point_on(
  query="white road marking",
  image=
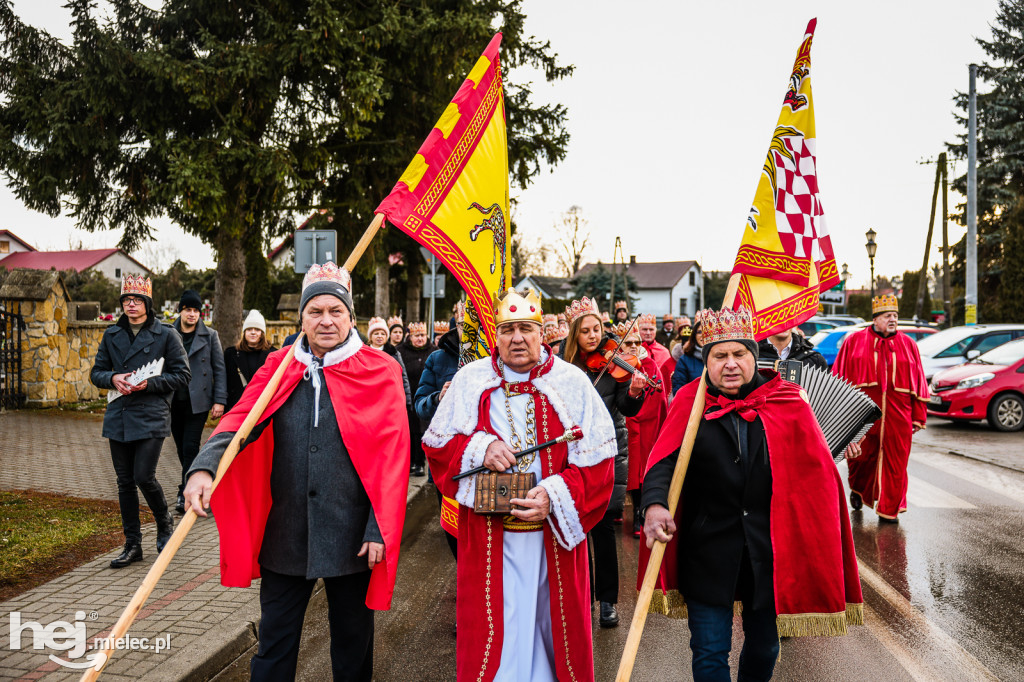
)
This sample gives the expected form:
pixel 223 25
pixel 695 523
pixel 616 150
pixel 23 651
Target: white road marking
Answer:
pixel 962 660
pixel 998 480
pixel 923 494
pixel 903 655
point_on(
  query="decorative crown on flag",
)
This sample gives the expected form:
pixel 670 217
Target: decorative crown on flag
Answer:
pixel 136 285
pixel 328 272
pixel 725 325
pixel 621 305
pixel 622 328
pixel 376 323
pixel 581 307
pixel 549 319
pixel 512 306
pixel 886 303
pixel 440 328
pixel 417 328
pixel 395 321
pixel 647 318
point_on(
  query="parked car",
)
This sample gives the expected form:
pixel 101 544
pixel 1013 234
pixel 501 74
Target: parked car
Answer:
pixel 991 386
pixel 953 346
pixel 843 320
pixel 828 341
pixel 815 325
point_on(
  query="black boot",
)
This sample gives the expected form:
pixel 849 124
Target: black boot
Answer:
pixel 179 505
pixel 609 616
pixel 638 525
pixel 132 553
pixel 164 530
pixel 855 501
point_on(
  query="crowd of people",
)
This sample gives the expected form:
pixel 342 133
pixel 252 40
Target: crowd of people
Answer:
pixel 319 490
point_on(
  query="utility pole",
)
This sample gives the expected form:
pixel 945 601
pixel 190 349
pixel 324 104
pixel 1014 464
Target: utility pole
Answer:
pixel 946 303
pixel 922 280
pixel 616 250
pixel 971 297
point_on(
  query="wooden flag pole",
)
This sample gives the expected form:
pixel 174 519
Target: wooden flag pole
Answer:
pixel 643 601
pixel 131 611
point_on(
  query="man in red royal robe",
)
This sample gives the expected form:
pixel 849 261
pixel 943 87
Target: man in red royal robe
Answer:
pixel 762 518
pixel 884 363
pixel 643 428
pixel 319 488
pixel 663 360
pixel 523 609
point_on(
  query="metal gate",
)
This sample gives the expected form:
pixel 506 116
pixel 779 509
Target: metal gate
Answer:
pixel 12 324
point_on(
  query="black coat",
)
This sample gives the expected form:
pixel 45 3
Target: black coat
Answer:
pixel 207 386
pixel 146 414
pixel 440 367
pixel 799 349
pixel 240 367
pixel 615 396
pixel 724 548
pixel 414 359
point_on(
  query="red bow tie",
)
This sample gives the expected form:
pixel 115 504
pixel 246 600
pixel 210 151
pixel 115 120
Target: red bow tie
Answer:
pixel 747 409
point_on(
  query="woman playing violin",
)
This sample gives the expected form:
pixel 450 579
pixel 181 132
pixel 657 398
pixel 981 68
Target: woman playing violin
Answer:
pixel 622 399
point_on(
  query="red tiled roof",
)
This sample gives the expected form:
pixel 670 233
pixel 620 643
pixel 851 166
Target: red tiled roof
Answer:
pixel 60 260
pixel 287 241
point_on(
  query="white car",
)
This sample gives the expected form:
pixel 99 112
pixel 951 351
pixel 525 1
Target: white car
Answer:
pixel 956 345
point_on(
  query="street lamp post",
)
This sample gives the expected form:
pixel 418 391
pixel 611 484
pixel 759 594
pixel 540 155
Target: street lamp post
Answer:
pixel 843 276
pixel 871 246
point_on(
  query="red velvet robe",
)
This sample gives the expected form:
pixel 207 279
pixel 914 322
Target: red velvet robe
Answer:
pixel 643 428
pixel 365 390
pixel 663 361
pixel 580 475
pixel 889 370
pixel 817 584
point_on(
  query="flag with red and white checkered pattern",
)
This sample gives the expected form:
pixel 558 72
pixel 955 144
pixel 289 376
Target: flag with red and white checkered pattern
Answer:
pixel 786 258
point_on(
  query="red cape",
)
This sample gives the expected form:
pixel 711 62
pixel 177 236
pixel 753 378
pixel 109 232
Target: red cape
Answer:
pixel 364 389
pixel 643 428
pixel 817 585
pixel 663 361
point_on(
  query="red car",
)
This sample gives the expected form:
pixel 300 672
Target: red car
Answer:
pixel 989 386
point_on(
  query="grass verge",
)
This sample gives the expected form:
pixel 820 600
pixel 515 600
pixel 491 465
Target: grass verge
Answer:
pixel 43 535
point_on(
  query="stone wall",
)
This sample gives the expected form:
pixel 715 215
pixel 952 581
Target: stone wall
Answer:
pixel 279 330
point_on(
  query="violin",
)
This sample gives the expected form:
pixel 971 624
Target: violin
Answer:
pixel 621 367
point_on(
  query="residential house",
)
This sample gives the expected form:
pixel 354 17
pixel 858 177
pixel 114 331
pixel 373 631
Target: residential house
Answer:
pixel 111 262
pixel 547 287
pixel 671 287
pixel 10 244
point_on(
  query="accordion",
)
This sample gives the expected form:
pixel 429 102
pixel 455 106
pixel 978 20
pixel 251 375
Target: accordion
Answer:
pixel 843 411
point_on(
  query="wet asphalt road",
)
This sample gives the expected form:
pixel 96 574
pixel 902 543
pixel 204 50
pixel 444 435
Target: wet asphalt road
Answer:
pixel 944 590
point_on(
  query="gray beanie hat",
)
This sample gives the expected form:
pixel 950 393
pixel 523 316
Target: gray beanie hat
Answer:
pixel 327 279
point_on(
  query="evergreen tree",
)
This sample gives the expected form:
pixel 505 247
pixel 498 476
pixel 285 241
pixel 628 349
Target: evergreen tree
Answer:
pixel 596 283
pixel 1000 171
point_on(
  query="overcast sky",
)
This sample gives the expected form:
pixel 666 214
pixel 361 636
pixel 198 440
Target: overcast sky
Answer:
pixel 672 107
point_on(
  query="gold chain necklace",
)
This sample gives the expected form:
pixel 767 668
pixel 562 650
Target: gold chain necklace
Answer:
pixel 523 463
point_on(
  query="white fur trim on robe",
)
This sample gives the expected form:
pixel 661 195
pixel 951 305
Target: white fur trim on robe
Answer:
pixel 564 519
pixel 571 395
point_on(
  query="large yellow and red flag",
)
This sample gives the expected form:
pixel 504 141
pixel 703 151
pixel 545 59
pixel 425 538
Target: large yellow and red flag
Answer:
pixel 786 256
pixel 453 197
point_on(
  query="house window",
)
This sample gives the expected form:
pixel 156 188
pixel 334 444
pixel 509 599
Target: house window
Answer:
pixel 117 273
pixel 682 307
pixel 692 279
pixel 5 246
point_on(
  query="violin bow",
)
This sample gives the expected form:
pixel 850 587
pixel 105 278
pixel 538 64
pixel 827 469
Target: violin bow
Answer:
pixel 615 352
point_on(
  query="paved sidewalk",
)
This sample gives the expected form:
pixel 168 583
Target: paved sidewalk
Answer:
pixel 208 625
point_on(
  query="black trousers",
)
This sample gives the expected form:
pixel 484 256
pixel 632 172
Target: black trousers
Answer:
pixel 187 431
pixel 283 601
pixel 604 559
pixel 135 466
pixel 416 455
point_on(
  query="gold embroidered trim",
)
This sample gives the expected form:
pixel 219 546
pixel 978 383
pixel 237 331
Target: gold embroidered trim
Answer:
pixel 511 524
pixel 487 600
pixel 820 624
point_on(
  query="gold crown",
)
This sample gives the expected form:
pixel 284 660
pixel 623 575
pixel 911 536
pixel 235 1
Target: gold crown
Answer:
pixel 684 320
pixel 440 328
pixel 512 306
pixel 647 318
pixel 581 307
pixel 684 330
pixel 884 304
pixel 621 304
pixel 554 335
pixel 376 322
pixel 606 318
pixel 621 328
pixel 725 325
pixel 328 272
pixel 136 285
pixel 667 317
pixel 549 319
pixel 417 327
pixel 394 320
